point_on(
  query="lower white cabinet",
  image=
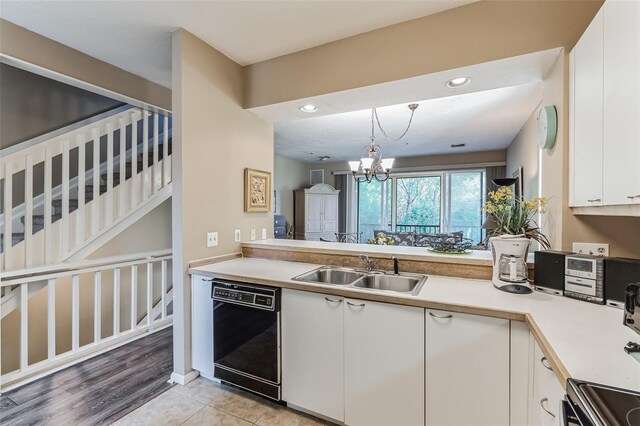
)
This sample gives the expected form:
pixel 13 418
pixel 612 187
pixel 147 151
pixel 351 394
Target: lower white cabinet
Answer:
pixel 202 325
pixel 354 361
pixel 384 364
pixel 547 391
pixel 467 369
pixel 313 352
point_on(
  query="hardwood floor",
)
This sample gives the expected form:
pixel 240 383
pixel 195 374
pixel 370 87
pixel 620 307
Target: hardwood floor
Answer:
pixel 98 391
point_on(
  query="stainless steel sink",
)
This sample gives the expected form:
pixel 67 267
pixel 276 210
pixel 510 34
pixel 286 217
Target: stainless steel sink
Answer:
pixel 397 283
pixel 370 280
pixel 331 275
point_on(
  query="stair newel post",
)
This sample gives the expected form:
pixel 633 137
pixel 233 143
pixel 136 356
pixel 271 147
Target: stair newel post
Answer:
pixel 28 210
pixel 80 216
pixel 134 159
pixel 95 205
pixel 97 307
pixel 149 292
pixel 75 312
pixel 165 151
pixel 64 235
pixel 48 200
pixel 164 288
pixel 8 215
pixel 109 201
pixel 116 302
pixel 24 326
pixel 157 177
pixel 145 153
pixel 134 297
pixel 51 319
pixel 123 174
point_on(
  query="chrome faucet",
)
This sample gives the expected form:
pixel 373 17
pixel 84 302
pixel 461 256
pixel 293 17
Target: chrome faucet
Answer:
pixel 396 268
pixel 367 262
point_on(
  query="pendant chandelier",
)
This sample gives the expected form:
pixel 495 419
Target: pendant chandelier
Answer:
pixel 372 165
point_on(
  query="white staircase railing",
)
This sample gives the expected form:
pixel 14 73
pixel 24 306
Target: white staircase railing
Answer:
pixel 74 331
pixel 92 179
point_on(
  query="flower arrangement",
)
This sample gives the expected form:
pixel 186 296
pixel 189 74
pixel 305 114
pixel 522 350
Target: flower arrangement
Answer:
pixel 515 215
pixel 381 239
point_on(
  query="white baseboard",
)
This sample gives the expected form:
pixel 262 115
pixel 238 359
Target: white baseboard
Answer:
pixel 183 379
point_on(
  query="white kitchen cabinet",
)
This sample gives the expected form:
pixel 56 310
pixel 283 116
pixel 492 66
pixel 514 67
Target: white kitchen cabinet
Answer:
pixel 621 160
pixel 202 325
pixel 467 369
pixel 384 364
pixel 605 111
pixel 547 391
pixel 587 114
pixel 316 212
pixel 521 372
pixel 313 352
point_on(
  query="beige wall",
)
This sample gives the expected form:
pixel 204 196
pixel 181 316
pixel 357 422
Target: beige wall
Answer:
pixel 20 43
pixel 214 140
pixel 467 35
pixel 523 152
pixel 288 175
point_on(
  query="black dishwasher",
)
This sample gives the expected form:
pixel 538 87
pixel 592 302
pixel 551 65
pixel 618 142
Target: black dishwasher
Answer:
pixel 246 336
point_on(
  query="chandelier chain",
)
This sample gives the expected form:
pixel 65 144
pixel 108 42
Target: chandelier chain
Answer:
pixel 375 112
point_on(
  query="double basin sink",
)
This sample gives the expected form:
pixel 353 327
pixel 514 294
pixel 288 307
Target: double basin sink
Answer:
pixel 369 280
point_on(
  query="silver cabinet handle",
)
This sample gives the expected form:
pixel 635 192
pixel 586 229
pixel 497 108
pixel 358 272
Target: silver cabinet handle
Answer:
pixel 595 200
pixel 544 363
pixel 361 305
pixel 333 300
pixel 439 316
pixel 542 401
pixel 631 197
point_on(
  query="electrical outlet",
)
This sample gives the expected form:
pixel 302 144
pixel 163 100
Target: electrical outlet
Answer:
pixel 264 233
pixel 595 249
pixel 237 236
pixel 253 235
pixel 212 239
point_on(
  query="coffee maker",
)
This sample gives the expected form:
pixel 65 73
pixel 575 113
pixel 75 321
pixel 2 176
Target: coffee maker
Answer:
pixel 510 263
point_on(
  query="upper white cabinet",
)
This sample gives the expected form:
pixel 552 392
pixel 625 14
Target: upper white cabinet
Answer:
pixel 621 159
pixel 605 109
pixel 587 69
pixel 467 369
pixel 384 364
pixel 313 352
pixel 316 212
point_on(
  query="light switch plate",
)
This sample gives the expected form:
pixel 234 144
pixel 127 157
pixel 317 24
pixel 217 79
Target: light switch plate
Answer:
pixel 253 235
pixel 595 249
pixel 212 239
pixel 237 236
pixel 264 233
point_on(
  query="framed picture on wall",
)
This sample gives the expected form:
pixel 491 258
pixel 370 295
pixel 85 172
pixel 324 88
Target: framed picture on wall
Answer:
pixel 517 186
pixel 257 191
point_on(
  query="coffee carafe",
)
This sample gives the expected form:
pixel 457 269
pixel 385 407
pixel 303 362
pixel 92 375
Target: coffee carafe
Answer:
pixel 510 263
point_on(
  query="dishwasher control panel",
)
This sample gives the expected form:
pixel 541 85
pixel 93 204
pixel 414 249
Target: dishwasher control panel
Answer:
pixel 256 297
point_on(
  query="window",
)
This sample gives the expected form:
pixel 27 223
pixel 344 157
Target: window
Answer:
pixel 423 203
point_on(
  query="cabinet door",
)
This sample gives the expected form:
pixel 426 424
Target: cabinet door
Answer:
pixel 313 352
pixel 330 213
pixel 586 139
pixel 384 364
pixel 621 184
pixel 315 213
pixel 467 366
pixel 202 325
pixel 547 392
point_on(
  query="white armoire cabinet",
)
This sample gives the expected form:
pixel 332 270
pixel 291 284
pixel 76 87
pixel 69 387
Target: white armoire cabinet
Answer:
pixel 316 212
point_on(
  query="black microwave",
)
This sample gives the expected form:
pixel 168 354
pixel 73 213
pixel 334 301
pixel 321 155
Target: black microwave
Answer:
pixel 632 307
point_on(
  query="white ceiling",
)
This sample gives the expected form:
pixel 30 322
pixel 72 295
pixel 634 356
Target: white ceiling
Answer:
pixel 135 35
pixel 485 115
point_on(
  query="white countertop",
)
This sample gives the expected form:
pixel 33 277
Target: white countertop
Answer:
pixel 587 339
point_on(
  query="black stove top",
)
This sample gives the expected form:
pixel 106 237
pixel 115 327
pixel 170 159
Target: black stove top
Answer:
pixel 604 405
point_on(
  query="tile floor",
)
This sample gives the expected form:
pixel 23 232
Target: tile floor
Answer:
pixel 204 402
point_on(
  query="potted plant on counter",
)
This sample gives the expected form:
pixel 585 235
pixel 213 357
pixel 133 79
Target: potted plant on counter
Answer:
pixel 514 226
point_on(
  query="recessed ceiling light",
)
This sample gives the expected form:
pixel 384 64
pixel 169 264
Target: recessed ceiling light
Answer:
pixel 458 145
pixel 308 108
pixel 458 82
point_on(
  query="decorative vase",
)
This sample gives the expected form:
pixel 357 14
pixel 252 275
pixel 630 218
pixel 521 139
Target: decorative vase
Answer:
pixel 509 256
